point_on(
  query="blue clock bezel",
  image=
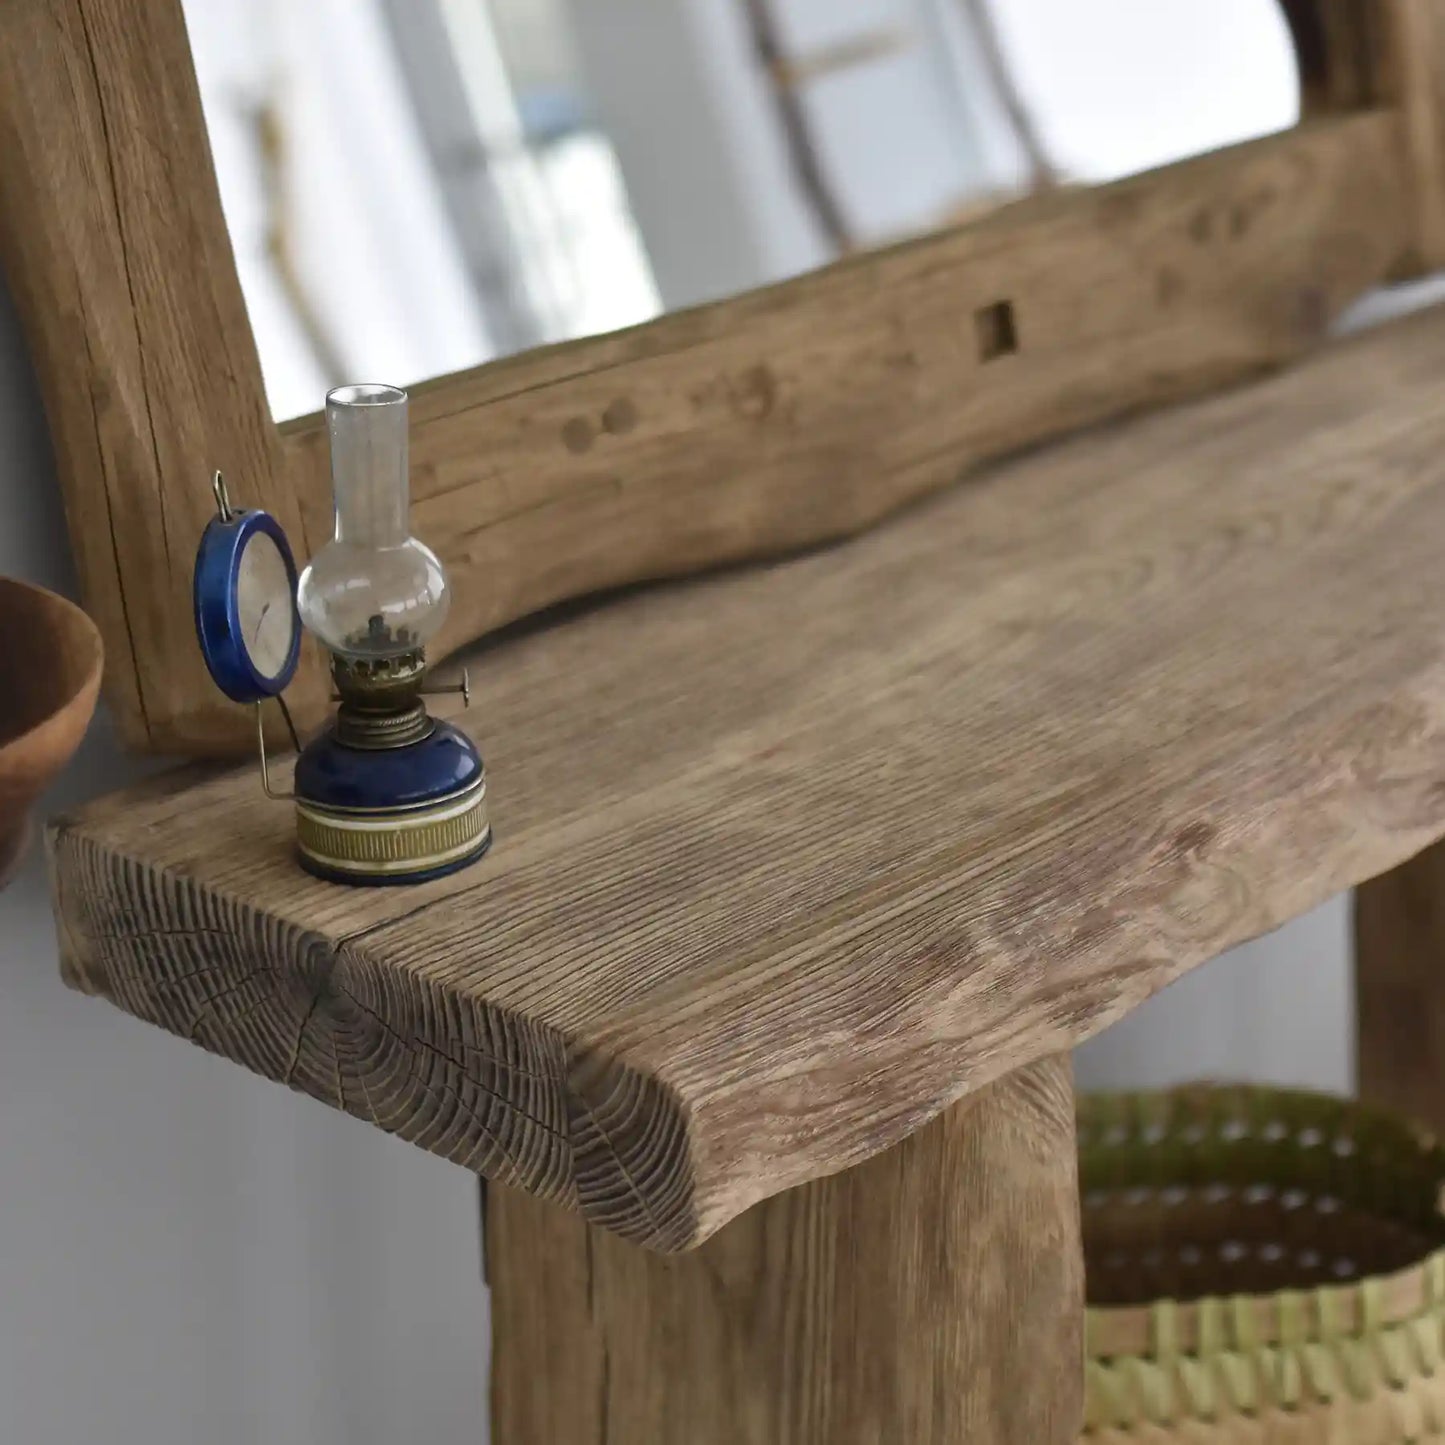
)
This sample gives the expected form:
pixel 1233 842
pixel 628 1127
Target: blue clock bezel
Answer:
pixel 217 611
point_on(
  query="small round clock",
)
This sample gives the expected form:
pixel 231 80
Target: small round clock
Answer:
pixel 245 602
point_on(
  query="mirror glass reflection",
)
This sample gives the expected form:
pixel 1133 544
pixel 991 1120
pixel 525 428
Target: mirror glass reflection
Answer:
pixel 417 186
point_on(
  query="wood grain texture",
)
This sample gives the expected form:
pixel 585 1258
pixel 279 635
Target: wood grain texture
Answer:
pixel 1400 987
pixel 1340 51
pixel 115 248
pixel 1357 54
pixel 809 411
pixel 790 859
pixel 1411 69
pixel 933 1295
pixel 758 426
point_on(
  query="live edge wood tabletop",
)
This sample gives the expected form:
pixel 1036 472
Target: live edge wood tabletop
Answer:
pixel 823 867
pixel 809 873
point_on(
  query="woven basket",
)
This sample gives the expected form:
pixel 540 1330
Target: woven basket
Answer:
pixel 1264 1268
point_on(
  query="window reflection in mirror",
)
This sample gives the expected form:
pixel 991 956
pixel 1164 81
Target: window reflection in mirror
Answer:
pixel 1121 86
pixel 417 186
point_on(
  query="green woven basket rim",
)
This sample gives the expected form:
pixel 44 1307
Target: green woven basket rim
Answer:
pixel 1137 1123
pixel 1371 1345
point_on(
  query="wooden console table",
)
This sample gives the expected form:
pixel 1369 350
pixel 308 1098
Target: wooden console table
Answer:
pixel 809 876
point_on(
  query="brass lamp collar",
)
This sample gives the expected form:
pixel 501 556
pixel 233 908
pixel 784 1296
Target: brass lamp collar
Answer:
pixel 380 700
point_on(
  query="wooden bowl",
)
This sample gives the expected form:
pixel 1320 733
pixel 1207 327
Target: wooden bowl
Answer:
pixel 50 663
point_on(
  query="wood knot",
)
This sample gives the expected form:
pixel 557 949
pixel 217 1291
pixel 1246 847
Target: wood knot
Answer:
pixel 755 393
pixel 1193 838
pixel 578 435
pixel 620 417
pixel 1119 207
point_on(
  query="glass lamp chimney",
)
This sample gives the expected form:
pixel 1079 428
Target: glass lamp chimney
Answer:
pixel 374 591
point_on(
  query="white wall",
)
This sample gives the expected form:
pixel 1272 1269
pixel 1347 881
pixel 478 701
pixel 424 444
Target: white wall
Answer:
pixel 188 1255
pixel 1278 1010
pixel 1119 86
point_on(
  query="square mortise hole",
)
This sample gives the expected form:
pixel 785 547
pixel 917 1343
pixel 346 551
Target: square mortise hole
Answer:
pixel 997 332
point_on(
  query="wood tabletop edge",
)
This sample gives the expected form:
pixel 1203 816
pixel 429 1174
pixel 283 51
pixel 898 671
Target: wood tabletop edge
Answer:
pixel 1141 697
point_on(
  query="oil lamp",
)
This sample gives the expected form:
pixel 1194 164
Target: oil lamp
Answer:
pixel 387 793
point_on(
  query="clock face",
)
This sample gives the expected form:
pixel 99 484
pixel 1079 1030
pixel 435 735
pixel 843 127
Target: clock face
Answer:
pixel 244 595
pixel 265 605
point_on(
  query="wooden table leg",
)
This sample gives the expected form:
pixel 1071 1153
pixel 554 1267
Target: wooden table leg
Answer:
pixel 1400 987
pixel 933 1294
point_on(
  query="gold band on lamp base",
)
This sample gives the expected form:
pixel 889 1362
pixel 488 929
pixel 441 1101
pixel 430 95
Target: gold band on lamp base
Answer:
pixel 396 844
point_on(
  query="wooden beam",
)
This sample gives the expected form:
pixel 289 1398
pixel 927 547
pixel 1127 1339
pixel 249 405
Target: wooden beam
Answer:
pixel 1400 987
pixel 789 860
pixel 809 411
pixel 764 424
pixel 115 248
pixel 1341 49
pixel 799 70
pixel 933 1295
pixel 1359 54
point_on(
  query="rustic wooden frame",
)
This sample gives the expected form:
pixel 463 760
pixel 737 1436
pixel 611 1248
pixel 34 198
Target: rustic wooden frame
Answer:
pixel 834 1084
pixel 829 1315
pixel 776 906
pixel 792 859
pixel 761 424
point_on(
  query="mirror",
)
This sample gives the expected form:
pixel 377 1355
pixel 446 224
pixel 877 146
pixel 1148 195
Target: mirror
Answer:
pixel 417 186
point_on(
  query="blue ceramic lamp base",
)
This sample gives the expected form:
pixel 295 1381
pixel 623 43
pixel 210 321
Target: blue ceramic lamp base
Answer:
pixel 391 816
